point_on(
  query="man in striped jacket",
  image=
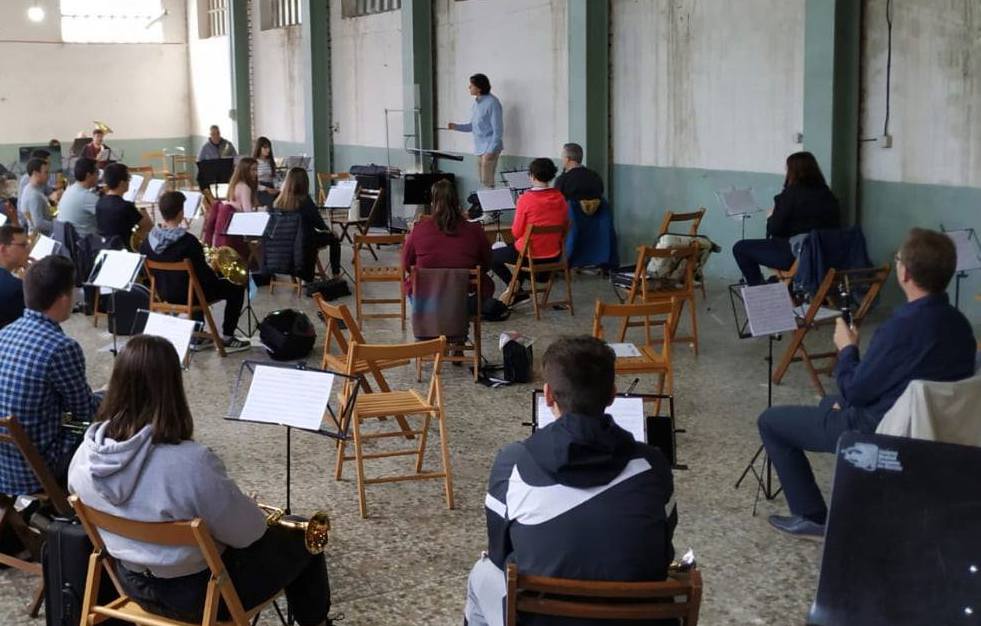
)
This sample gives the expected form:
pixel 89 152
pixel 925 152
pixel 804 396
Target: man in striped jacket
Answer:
pixel 578 499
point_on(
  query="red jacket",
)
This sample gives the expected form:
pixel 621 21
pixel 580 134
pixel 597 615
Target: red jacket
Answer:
pixel 541 207
pixel 427 246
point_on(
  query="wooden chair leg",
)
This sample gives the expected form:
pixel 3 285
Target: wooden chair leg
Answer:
pixel 423 440
pixel 788 356
pixel 215 336
pixel 534 295
pixel 402 302
pixel 339 463
pixel 811 370
pixel 357 298
pixel 568 291
pixel 359 458
pixel 445 452
pixel 35 606
pixel 694 324
pixel 512 287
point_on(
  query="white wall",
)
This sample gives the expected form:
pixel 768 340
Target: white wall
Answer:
pixel 366 67
pixel 210 79
pixel 50 89
pixel 521 46
pixel 714 84
pixel 936 92
pixel 281 68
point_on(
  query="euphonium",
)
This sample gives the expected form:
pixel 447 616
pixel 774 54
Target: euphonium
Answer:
pixel 102 126
pixel 315 530
pixel 228 262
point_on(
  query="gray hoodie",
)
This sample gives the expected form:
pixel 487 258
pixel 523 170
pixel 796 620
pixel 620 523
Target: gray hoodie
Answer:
pixel 144 481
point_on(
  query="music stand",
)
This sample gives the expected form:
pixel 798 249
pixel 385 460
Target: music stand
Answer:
pixel 177 330
pixel 768 313
pixel 214 172
pixel 968 248
pixel 43 247
pixel 493 202
pixel 517 180
pixel 78 145
pixel 738 204
pixel 434 156
pixel 291 396
pixel 250 227
pixel 115 270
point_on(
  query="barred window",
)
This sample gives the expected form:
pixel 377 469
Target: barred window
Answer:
pixel 360 8
pixel 112 21
pixel 212 18
pixel 279 13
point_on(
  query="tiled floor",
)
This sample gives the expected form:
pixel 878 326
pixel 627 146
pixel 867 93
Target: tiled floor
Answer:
pixel 408 563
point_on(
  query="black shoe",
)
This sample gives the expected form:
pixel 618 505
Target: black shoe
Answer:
pixel 797 526
pixel 520 297
pixel 234 344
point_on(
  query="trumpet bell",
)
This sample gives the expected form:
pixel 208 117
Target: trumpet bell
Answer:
pixel 317 533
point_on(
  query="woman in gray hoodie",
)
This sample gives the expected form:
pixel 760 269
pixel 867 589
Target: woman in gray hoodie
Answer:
pixel 138 461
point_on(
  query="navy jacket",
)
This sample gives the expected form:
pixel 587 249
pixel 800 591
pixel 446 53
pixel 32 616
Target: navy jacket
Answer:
pixel 926 339
pixel 11 297
pixel 802 208
pixel 581 499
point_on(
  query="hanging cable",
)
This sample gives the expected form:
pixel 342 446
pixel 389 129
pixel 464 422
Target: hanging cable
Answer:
pixel 885 127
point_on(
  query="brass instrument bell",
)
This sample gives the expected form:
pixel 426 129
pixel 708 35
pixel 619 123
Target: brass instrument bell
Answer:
pixel 315 530
pixel 226 261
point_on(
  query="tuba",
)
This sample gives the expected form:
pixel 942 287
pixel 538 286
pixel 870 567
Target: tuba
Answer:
pixel 227 262
pixel 102 126
pixel 315 530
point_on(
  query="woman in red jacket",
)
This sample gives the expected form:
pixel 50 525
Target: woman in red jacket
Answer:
pixel 447 240
pixel 539 206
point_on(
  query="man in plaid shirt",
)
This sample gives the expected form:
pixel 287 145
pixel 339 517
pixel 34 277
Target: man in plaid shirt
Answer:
pixel 42 376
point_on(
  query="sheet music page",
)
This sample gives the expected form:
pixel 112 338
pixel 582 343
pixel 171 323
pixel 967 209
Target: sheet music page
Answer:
pixel 967 251
pixel 495 199
pixel 347 182
pixel 135 182
pixel 739 201
pixel 192 203
pixel 3 219
pixel 624 350
pixel 287 396
pixel 628 413
pixel 174 329
pixel 340 197
pixel 43 247
pixel 769 309
pixel 252 224
pixel 517 180
pixel 154 188
pixel 115 269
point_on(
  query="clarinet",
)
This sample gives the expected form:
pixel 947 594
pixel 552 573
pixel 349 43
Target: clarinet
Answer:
pixel 845 297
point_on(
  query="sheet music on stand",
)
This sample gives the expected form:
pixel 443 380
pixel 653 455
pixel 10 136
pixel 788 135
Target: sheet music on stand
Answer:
pixel 495 199
pixel 115 269
pixel 968 249
pixel 135 184
pixel 176 330
pixel 3 219
pixel 769 310
pixel 43 247
pixel 154 187
pixel 252 224
pixel 341 196
pixel 517 180
pixel 192 204
pixel 627 412
pixel 738 202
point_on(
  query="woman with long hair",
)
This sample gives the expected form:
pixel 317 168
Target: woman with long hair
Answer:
pixel 139 461
pixel 805 204
pixel 243 188
pixel 266 170
pixel 295 196
pixel 445 239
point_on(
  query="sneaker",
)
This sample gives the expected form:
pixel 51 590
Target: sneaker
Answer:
pixel 234 344
pixel 797 526
pixel 521 296
pixel 199 344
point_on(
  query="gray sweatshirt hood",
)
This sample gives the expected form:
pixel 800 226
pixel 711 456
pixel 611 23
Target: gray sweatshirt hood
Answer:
pixel 161 238
pixel 115 466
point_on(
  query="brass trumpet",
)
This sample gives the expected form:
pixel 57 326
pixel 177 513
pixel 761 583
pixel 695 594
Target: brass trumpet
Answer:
pixel 226 261
pixel 315 530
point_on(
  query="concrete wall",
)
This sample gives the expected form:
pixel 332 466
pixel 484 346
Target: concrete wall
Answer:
pixel 280 68
pixel 210 81
pixel 51 89
pixel 704 95
pixel 932 174
pixel 521 45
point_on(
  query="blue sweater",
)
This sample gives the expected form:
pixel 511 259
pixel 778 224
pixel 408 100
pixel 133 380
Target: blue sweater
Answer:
pixel 486 124
pixel 926 339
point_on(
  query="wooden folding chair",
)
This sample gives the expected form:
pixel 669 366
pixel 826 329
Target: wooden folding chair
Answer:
pixel 386 403
pixel 526 264
pixel 362 225
pixel 12 433
pixel 695 217
pixel 156 156
pixel 652 360
pixel 196 302
pixel 193 533
pixel 468 344
pixel 824 309
pixel 679 597
pixel 364 274
pixel 338 320
pixel 642 290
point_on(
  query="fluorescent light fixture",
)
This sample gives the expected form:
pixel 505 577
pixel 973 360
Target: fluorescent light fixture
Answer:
pixel 35 13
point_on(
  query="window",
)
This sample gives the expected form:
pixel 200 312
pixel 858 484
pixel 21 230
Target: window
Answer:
pixel 112 21
pixel 360 8
pixel 279 13
pixel 212 18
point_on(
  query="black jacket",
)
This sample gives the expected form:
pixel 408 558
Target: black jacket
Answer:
pixel 802 208
pixel 172 286
pixel 581 499
pixel 580 183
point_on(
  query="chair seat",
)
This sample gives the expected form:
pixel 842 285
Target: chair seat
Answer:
pixel 339 363
pixel 384 403
pixel 348 221
pixel 650 360
pixel 128 610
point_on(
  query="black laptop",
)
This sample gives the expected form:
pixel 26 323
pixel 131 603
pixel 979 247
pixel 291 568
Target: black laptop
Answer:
pixel 903 543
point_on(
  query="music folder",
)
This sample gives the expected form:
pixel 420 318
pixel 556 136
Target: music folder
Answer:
pixel 115 269
pixel 252 224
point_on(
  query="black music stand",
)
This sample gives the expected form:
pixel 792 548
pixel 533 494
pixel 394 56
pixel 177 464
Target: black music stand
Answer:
pixel 765 316
pixel 968 248
pixel 214 172
pixel 115 270
pixel 434 156
pixel 248 232
pixel 336 419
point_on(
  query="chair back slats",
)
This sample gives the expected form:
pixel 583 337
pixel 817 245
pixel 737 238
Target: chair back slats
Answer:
pixel 13 433
pixel 170 534
pixel 670 217
pixel 378 352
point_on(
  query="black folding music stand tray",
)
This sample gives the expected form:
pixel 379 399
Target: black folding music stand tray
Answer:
pixel 214 172
pixel 339 416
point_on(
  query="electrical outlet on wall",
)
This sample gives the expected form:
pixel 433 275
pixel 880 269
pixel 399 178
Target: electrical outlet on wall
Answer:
pixel 884 141
pixel 798 137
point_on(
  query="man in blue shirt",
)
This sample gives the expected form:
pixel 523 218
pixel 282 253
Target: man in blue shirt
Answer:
pixel 42 376
pixel 925 339
pixel 13 256
pixel 487 126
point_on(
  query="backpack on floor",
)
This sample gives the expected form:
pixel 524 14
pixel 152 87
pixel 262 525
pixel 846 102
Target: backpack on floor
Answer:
pixel 518 361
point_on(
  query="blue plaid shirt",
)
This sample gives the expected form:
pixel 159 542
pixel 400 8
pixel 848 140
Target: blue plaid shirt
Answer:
pixel 42 376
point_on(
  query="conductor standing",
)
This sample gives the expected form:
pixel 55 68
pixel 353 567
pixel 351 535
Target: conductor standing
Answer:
pixel 487 126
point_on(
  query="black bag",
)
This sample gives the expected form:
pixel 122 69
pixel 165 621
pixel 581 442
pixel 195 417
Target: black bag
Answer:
pixel 287 335
pixel 329 289
pixel 493 310
pixel 65 560
pixel 518 361
pixel 122 321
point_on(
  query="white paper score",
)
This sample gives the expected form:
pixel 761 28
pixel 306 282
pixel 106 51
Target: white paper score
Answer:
pixel 251 224
pixel 628 413
pixel 115 269
pixel 43 247
pixel 769 309
pixel 495 199
pixel 135 183
pixel 174 329
pixel 967 252
pixel 154 187
pixel 517 180
pixel 286 396
pixel 624 350
pixel 738 202
pixel 340 196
